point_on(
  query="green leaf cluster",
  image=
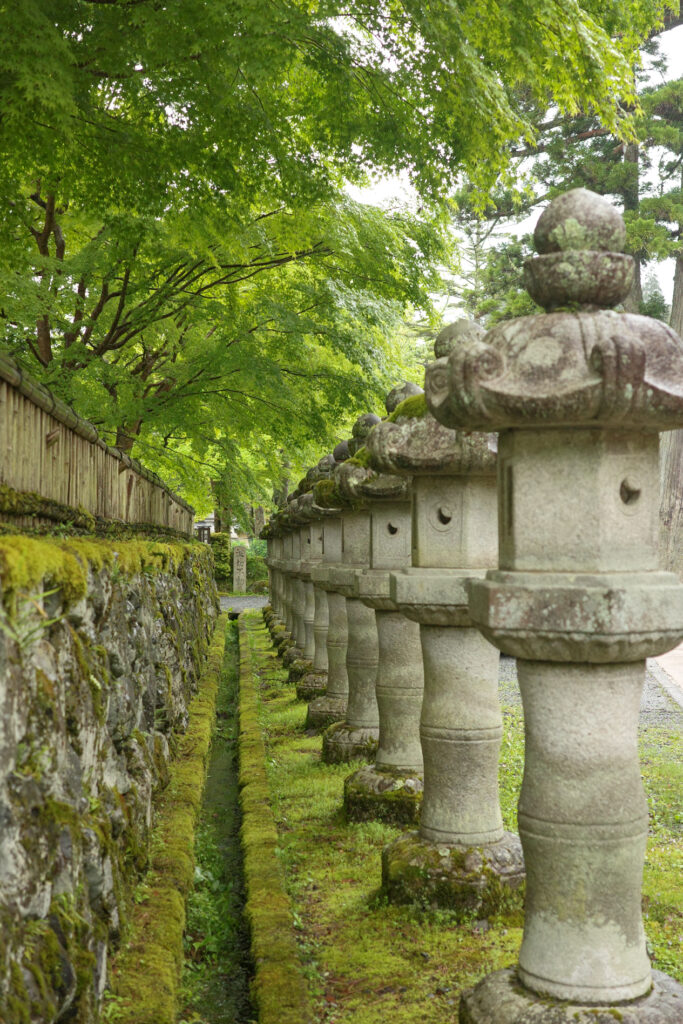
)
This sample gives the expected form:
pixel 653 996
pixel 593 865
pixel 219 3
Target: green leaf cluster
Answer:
pixel 182 260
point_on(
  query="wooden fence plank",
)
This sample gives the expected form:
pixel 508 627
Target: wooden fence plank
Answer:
pixel 47 449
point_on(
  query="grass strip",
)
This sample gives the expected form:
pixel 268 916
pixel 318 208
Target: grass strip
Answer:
pixel 369 962
pixel 279 989
pixel 146 973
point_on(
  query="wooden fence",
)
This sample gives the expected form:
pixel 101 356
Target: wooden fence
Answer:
pixel 46 450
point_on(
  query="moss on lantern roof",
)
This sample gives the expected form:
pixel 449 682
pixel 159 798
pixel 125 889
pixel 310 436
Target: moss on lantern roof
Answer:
pixel 413 408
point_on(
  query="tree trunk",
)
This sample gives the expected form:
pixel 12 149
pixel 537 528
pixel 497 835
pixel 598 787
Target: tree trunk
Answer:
pixel 671 504
pixel 671 458
pixel 635 296
pixel 676 320
pixel 126 436
pixel 631 197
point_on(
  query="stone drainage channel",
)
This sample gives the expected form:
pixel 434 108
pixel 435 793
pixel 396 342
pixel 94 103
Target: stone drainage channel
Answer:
pixel 217 970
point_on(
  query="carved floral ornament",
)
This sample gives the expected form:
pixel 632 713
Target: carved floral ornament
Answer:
pixel 424 447
pixel 590 366
pixel 358 483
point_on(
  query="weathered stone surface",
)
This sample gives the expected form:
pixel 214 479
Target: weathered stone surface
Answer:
pixel 324 710
pixel 579 599
pixel 371 794
pixel 596 369
pixel 579 220
pixel 454 334
pixel 399 394
pixel 501 999
pixel 298 669
pixel 424 446
pixel 291 654
pixel 468 880
pixel 453 539
pixel 87 707
pixel 362 719
pixel 311 686
pixel 343 742
pixel 239 569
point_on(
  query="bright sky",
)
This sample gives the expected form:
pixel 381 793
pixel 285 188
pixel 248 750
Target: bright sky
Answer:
pixel 397 190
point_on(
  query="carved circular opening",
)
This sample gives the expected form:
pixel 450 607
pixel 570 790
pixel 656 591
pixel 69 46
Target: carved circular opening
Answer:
pixel 393 530
pixel 629 492
pixel 444 515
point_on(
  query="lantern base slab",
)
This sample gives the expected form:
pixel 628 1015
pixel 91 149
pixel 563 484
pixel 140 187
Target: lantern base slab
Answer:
pixel 325 711
pixel 312 685
pixel 343 743
pixel 291 655
pixel 391 796
pixel 298 669
pixel 477 879
pixel 500 998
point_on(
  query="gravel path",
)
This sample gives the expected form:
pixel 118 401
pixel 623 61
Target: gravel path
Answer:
pixel 656 707
pixel 238 603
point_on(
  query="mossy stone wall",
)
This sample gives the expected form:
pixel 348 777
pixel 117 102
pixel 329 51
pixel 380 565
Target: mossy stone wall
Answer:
pixel 101 643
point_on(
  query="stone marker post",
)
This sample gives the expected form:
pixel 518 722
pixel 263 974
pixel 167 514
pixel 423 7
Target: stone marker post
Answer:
pixel 461 858
pixel 239 569
pixel 578 398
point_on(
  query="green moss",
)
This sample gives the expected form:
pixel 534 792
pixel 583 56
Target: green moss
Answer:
pixel 278 989
pixel 412 408
pixel 28 503
pixel 361 458
pixel 394 806
pixel 326 495
pixel 147 971
pixel 28 563
pixel 221 547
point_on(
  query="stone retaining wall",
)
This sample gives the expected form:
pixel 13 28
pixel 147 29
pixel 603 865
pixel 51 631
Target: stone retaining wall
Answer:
pixel 100 647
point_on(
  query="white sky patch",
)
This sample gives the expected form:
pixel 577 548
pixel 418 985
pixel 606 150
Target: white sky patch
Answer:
pixel 397 190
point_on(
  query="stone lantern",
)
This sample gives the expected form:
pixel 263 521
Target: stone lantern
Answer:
pixel 314 683
pixel 282 547
pixel 578 396
pixel 294 591
pixel 391 789
pixel 300 660
pixel 271 611
pixel 357 735
pixel 325 710
pixel 461 857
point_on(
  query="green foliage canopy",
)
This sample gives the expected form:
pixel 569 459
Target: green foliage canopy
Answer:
pixel 182 262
